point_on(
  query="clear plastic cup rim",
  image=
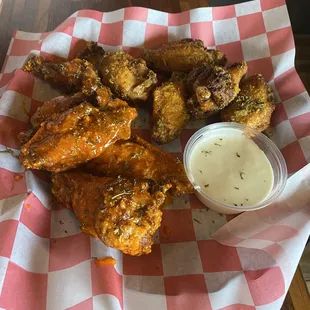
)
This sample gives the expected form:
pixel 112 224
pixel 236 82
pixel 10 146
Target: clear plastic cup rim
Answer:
pixel 278 186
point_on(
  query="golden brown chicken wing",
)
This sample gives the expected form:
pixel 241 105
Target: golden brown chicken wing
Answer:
pixel 122 213
pixel 128 77
pixel 93 53
pixel 170 113
pixel 70 77
pixel 136 158
pixel 183 55
pixel 76 136
pixel 214 88
pixel 253 106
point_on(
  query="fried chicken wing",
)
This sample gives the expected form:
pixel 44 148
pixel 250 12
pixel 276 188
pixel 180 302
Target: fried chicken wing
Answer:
pixel 214 88
pixel 93 53
pixel 76 136
pixel 136 158
pixel 170 113
pixel 128 77
pixel 183 55
pixel 70 77
pixel 122 213
pixel 253 106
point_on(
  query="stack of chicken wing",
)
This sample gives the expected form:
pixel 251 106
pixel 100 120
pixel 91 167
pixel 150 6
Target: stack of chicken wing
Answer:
pixel 116 183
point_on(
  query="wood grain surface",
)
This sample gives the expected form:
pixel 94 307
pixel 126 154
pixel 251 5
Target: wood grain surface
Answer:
pixel 45 15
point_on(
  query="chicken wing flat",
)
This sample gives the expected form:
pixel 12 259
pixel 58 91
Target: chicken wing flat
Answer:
pixel 170 113
pixel 183 55
pixel 122 213
pixel 76 136
pixel 253 106
pixel 55 106
pixel 70 77
pixel 214 88
pixel 136 158
pixel 129 78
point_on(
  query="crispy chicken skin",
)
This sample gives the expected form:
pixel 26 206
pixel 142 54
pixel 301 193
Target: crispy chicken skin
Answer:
pixel 183 55
pixel 91 52
pixel 214 88
pixel 76 136
pixel 128 77
pixel 170 113
pixel 136 158
pixel 253 106
pixel 122 213
pixel 70 77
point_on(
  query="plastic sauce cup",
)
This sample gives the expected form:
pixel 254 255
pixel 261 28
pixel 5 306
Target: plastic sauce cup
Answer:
pixel 271 151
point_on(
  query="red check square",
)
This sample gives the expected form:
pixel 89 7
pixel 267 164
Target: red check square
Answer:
pixel 294 157
pixel 179 19
pixel 266 285
pixel 8 230
pixel 66 26
pixel 195 202
pixel 216 257
pixel 91 14
pixel 280 41
pixel 223 12
pixel 300 125
pixel 84 305
pixel 263 66
pixel 33 210
pixel 276 233
pixel 267 4
pixel 204 32
pixel 30 289
pixel 106 280
pixel 111 34
pixel 136 13
pixel 251 25
pixel 279 115
pixel 177 226
pixel 233 51
pixel 12 183
pixel 186 292
pixel 289 84
pixel 22 47
pixel 155 36
pixel 145 265
pixel 22 83
pixel 68 251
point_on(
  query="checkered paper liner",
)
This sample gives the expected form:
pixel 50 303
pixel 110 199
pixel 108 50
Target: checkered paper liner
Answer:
pixel 45 260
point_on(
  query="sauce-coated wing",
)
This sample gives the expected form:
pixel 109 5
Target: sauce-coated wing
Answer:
pixel 183 55
pixel 253 106
pixel 70 77
pixel 122 213
pixel 76 136
pixel 214 88
pixel 129 78
pixel 136 158
pixel 170 113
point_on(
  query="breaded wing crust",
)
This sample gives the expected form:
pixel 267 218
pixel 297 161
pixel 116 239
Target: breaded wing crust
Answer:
pixel 70 77
pixel 136 158
pixel 253 106
pixel 76 136
pixel 91 52
pixel 214 88
pixel 183 55
pixel 128 77
pixel 170 113
pixel 122 213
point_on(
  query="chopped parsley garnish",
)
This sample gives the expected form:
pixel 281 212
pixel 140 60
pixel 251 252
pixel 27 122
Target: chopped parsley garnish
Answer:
pixel 237 188
pixel 241 175
pixel 217 144
pixel 238 155
pixel 207 185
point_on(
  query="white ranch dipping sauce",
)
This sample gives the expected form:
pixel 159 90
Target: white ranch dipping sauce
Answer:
pixel 231 169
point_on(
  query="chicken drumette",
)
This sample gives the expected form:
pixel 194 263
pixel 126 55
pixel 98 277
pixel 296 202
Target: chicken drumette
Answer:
pixel 214 88
pixel 253 106
pixel 76 136
pixel 136 158
pixel 122 213
pixel 70 77
pixel 183 55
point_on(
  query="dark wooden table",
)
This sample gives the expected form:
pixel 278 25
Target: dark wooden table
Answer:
pixel 45 15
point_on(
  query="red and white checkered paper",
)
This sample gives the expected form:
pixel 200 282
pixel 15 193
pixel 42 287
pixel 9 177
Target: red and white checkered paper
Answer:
pixel 45 260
